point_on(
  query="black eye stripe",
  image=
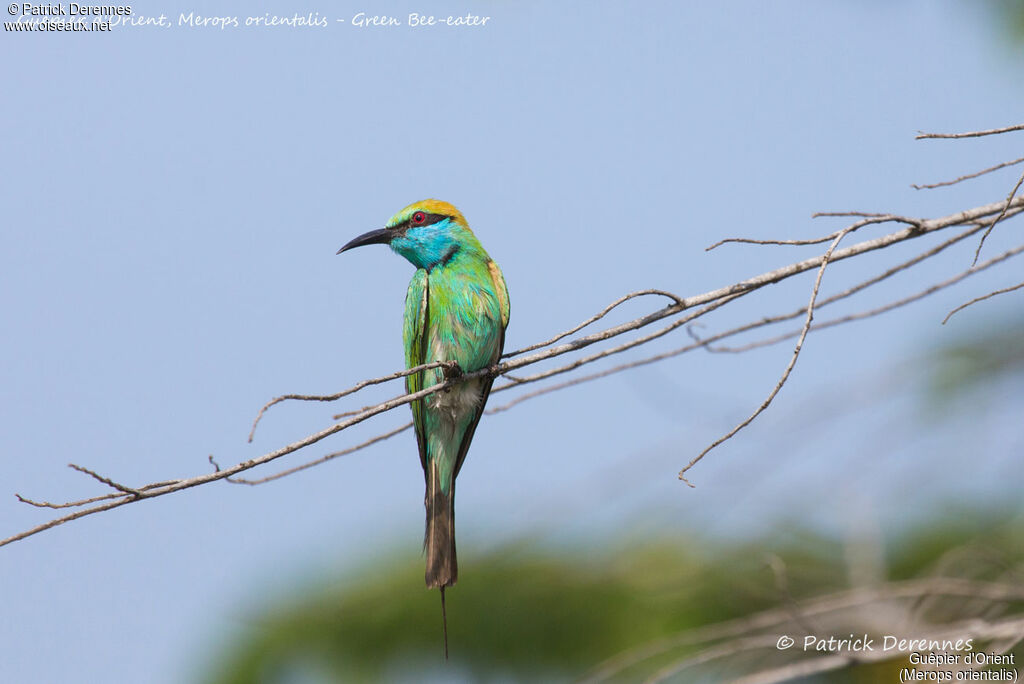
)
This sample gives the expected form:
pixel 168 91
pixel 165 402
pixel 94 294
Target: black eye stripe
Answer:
pixel 428 219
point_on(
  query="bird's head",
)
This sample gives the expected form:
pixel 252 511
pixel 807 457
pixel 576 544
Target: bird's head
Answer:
pixel 427 233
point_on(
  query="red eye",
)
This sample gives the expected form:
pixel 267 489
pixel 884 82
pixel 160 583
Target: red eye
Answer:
pixel 419 217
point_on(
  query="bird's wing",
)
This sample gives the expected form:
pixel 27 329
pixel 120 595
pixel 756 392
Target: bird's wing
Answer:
pixel 485 387
pixel 502 291
pixel 414 335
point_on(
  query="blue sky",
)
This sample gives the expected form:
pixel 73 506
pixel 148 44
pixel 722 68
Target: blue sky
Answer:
pixel 174 199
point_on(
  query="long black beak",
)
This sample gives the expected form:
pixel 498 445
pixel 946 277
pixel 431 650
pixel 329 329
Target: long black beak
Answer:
pixel 374 237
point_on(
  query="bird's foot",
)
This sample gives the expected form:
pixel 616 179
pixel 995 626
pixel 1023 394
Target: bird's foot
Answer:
pixel 451 370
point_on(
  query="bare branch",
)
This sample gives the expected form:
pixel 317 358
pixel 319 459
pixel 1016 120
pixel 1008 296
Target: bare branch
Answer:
pixel 220 474
pixel 971 134
pixel 887 307
pixel 620 348
pixel 982 298
pixel 105 480
pixel 792 360
pixel 84 502
pixel 346 414
pixel 969 176
pixel 593 319
pixel 822 214
pixel 768 320
pixel 996 220
pixel 323 459
pixel 750 326
pixel 872 218
pixel 344 393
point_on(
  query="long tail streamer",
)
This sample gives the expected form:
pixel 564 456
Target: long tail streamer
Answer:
pixel 444 622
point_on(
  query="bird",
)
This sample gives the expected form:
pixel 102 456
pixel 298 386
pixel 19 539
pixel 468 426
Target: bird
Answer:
pixel 456 313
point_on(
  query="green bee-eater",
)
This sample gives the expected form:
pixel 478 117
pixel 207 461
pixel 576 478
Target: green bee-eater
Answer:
pixel 456 309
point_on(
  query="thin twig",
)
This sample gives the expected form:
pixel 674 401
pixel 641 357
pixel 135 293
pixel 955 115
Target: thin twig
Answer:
pixel 969 176
pixel 596 317
pixel 708 341
pixel 106 480
pixel 346 414
pixel 982 298
pixel 872 218
pixel 822 214
pixel 789 366
pixel 322 459
pixel 344 393
pixel 85 502
pixel 971 134
pixel 1009 198
pixel 622 347
pixel 764 321
pixel 221 474
pixel 768 320
pixel 885 308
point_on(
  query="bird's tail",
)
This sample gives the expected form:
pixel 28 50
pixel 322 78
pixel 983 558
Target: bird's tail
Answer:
pixel 439 541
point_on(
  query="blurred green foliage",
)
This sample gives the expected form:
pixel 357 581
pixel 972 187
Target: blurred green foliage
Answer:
pixel 981 357
pixel 527 613
pixel 1009 14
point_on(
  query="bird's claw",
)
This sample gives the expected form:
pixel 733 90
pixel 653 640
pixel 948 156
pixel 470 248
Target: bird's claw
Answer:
pixel 452 370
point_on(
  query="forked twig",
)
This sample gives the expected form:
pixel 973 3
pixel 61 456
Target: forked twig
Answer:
pixel 789 367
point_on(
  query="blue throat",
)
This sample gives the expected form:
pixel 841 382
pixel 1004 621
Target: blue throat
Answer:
pixel 430 246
